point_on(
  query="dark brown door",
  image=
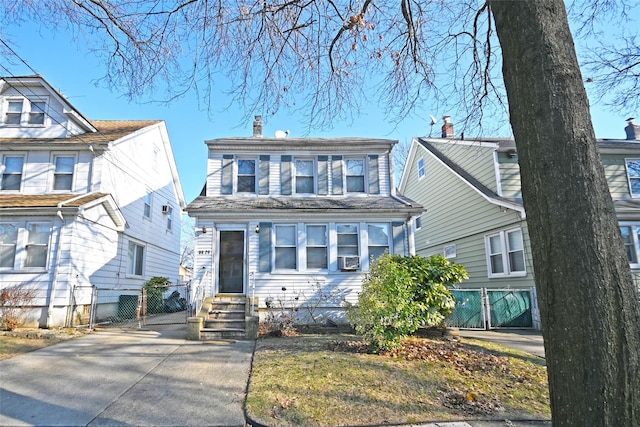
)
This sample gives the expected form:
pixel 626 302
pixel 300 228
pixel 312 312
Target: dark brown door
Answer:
pixel 231 271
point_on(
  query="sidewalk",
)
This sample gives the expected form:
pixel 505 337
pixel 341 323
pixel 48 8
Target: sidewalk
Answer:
pixel 136 377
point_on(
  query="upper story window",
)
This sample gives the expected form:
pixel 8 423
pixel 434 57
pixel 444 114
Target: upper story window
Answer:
pixel 63 173
pixel 24 246
pixel 317 246
pixel 169 214
pixel 25 112
pixel 631 238
pixel 378 240
pixel 633 175
pixel 246 176
pixel 12 172
pixel 148 199
pixel 348 241
pixel 505 253
pixel 421 170
pixel 419 222
pixel 136 259
pixel 355 175
pixel 305 176
pixel 286 247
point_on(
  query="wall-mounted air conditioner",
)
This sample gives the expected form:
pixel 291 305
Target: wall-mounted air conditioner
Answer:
pixel 166 209
pixel 348 263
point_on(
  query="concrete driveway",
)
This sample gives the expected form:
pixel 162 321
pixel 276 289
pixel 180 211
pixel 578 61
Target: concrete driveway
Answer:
pixel 521 339
pixel 128 377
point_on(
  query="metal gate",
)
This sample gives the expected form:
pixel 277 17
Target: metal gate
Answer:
pixel 492 308
pixel 131 307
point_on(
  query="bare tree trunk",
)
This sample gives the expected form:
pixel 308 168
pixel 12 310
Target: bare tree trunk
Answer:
pixel 588 303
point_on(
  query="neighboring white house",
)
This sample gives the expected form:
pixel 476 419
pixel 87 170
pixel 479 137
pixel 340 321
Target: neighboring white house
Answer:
pixel 475 216
pixel 82 202
pixel 297 219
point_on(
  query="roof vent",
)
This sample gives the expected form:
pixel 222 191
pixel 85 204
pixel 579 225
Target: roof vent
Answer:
pixel 257 127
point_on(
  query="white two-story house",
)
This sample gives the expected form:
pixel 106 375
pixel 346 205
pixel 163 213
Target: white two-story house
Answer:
pixel 83 203
pixel 295 220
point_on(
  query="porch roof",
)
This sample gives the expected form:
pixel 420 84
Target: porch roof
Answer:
pixel 319 205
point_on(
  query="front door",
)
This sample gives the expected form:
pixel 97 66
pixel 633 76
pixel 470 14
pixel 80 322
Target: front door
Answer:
pixel 231 262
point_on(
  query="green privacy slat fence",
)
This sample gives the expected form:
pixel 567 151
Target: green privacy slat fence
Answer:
pixel 493 308
pixel 468 312
pixel 510 308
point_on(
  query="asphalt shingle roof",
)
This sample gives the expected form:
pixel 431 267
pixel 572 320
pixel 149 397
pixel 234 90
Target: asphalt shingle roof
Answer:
pixel 45 200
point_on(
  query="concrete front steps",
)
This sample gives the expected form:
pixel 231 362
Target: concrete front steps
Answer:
pixel 225 317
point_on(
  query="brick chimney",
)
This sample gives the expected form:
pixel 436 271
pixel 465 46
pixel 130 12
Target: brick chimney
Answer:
pixel 257 127
pixel 632 130
pixel 447 127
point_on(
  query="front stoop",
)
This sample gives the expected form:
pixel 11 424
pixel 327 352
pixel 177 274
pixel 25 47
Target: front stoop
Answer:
pixel 225 317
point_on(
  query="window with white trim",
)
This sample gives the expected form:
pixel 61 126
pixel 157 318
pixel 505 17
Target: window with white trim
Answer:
pixel 246 176
pixel 418 222
pixel 148 199
pixel 633 176
pixel 24 245
pixel 316 246
pixel 355 173
pixel 63 173
pixel 22 111
pixel 631 239
pixel 421 170
pixel 12 172
pixel 136 259
pixel 348 240
pixel 305 176
pixel 505 254
pixel 286 256
pixel 169 214
pixel 378 240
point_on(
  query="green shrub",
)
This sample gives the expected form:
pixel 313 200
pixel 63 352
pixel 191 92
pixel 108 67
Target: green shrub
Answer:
pixel 400 294
pixel 155 289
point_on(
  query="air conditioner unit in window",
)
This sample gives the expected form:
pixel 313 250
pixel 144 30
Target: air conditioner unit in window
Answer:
pixel 349 263
pixel 166 209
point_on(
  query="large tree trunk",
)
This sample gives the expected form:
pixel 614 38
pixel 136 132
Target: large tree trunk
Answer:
pixel 588 303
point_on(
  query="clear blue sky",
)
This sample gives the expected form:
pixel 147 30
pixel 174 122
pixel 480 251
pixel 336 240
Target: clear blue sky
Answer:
pixel 73 71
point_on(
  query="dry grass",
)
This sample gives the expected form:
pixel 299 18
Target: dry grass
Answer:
pixel 25 340
pixel 330 380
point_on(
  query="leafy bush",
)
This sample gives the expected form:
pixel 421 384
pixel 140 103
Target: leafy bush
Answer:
pixel 155 289
pixel 400 294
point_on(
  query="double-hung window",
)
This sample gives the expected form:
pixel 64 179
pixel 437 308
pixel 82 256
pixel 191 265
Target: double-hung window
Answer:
pixel 378 239
pixel 317 246
pixel 505 253
pixel 633 176
pixel 347 240
pixel 631 239
pixel 355 170
pixel 136 259
pixel 286 247
pixel 246 176
pixel 37 245
pixel 421 170
pixel 8 244
pixel 25 112
pixel 169 214
pixel 63 173
pixel 305 176
pixel 12 172
pixel 13 113
pixel 37 112
pixel 148 199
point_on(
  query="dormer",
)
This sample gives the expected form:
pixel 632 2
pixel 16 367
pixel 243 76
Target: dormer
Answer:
pixel 31 108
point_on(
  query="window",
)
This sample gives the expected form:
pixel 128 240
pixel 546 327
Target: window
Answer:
pixel 305 183
pixel 378 240
pixel 37 245
pixel 246 176
pixel 419 222
pixel 450 251
pixel 13 116
pixel 285 249
pixel 347 240
pixel 63 174
pixel 631 238
pixel 147 204
pixel 169 214
pixel 505 253
pixel 8 242
pixel 633 175
pixel 36 114
pixel 136 259
pixel 421 171
pixel 317 246
pixel 12 172
pixel 355 175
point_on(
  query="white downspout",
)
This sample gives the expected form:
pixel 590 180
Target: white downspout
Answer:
pixel 54 285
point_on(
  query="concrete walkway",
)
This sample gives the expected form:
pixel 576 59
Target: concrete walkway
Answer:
pixel 521 339
pixel 136 377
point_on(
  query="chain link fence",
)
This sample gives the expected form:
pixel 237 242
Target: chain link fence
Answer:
pixel 492 308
